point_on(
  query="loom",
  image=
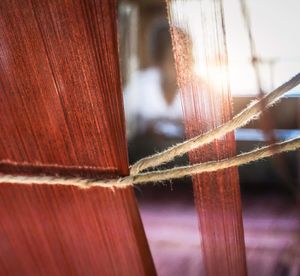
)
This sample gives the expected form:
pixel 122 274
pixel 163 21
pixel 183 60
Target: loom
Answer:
pixel 62 115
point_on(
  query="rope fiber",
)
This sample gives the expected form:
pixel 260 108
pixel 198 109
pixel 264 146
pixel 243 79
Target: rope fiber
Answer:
pixel 136 176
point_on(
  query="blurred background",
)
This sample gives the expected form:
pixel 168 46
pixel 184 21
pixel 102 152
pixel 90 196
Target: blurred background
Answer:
pixel 263 51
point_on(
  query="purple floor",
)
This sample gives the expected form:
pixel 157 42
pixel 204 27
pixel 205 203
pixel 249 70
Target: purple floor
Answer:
pixel 272 234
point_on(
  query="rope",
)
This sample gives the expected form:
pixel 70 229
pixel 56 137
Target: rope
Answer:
pixel 252 112
pixel 158 176
pixel 249 113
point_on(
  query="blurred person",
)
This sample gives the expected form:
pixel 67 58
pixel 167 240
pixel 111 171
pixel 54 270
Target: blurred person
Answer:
pixel 152 101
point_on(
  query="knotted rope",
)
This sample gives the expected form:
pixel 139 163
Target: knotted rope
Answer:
pixel 252 112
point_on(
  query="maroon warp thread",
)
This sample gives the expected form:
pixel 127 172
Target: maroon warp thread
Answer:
pixel 217 194
pixel 61 105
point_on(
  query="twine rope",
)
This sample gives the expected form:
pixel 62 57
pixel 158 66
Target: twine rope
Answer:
pixel 136 176
pixel 250 113
pixel 160 175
